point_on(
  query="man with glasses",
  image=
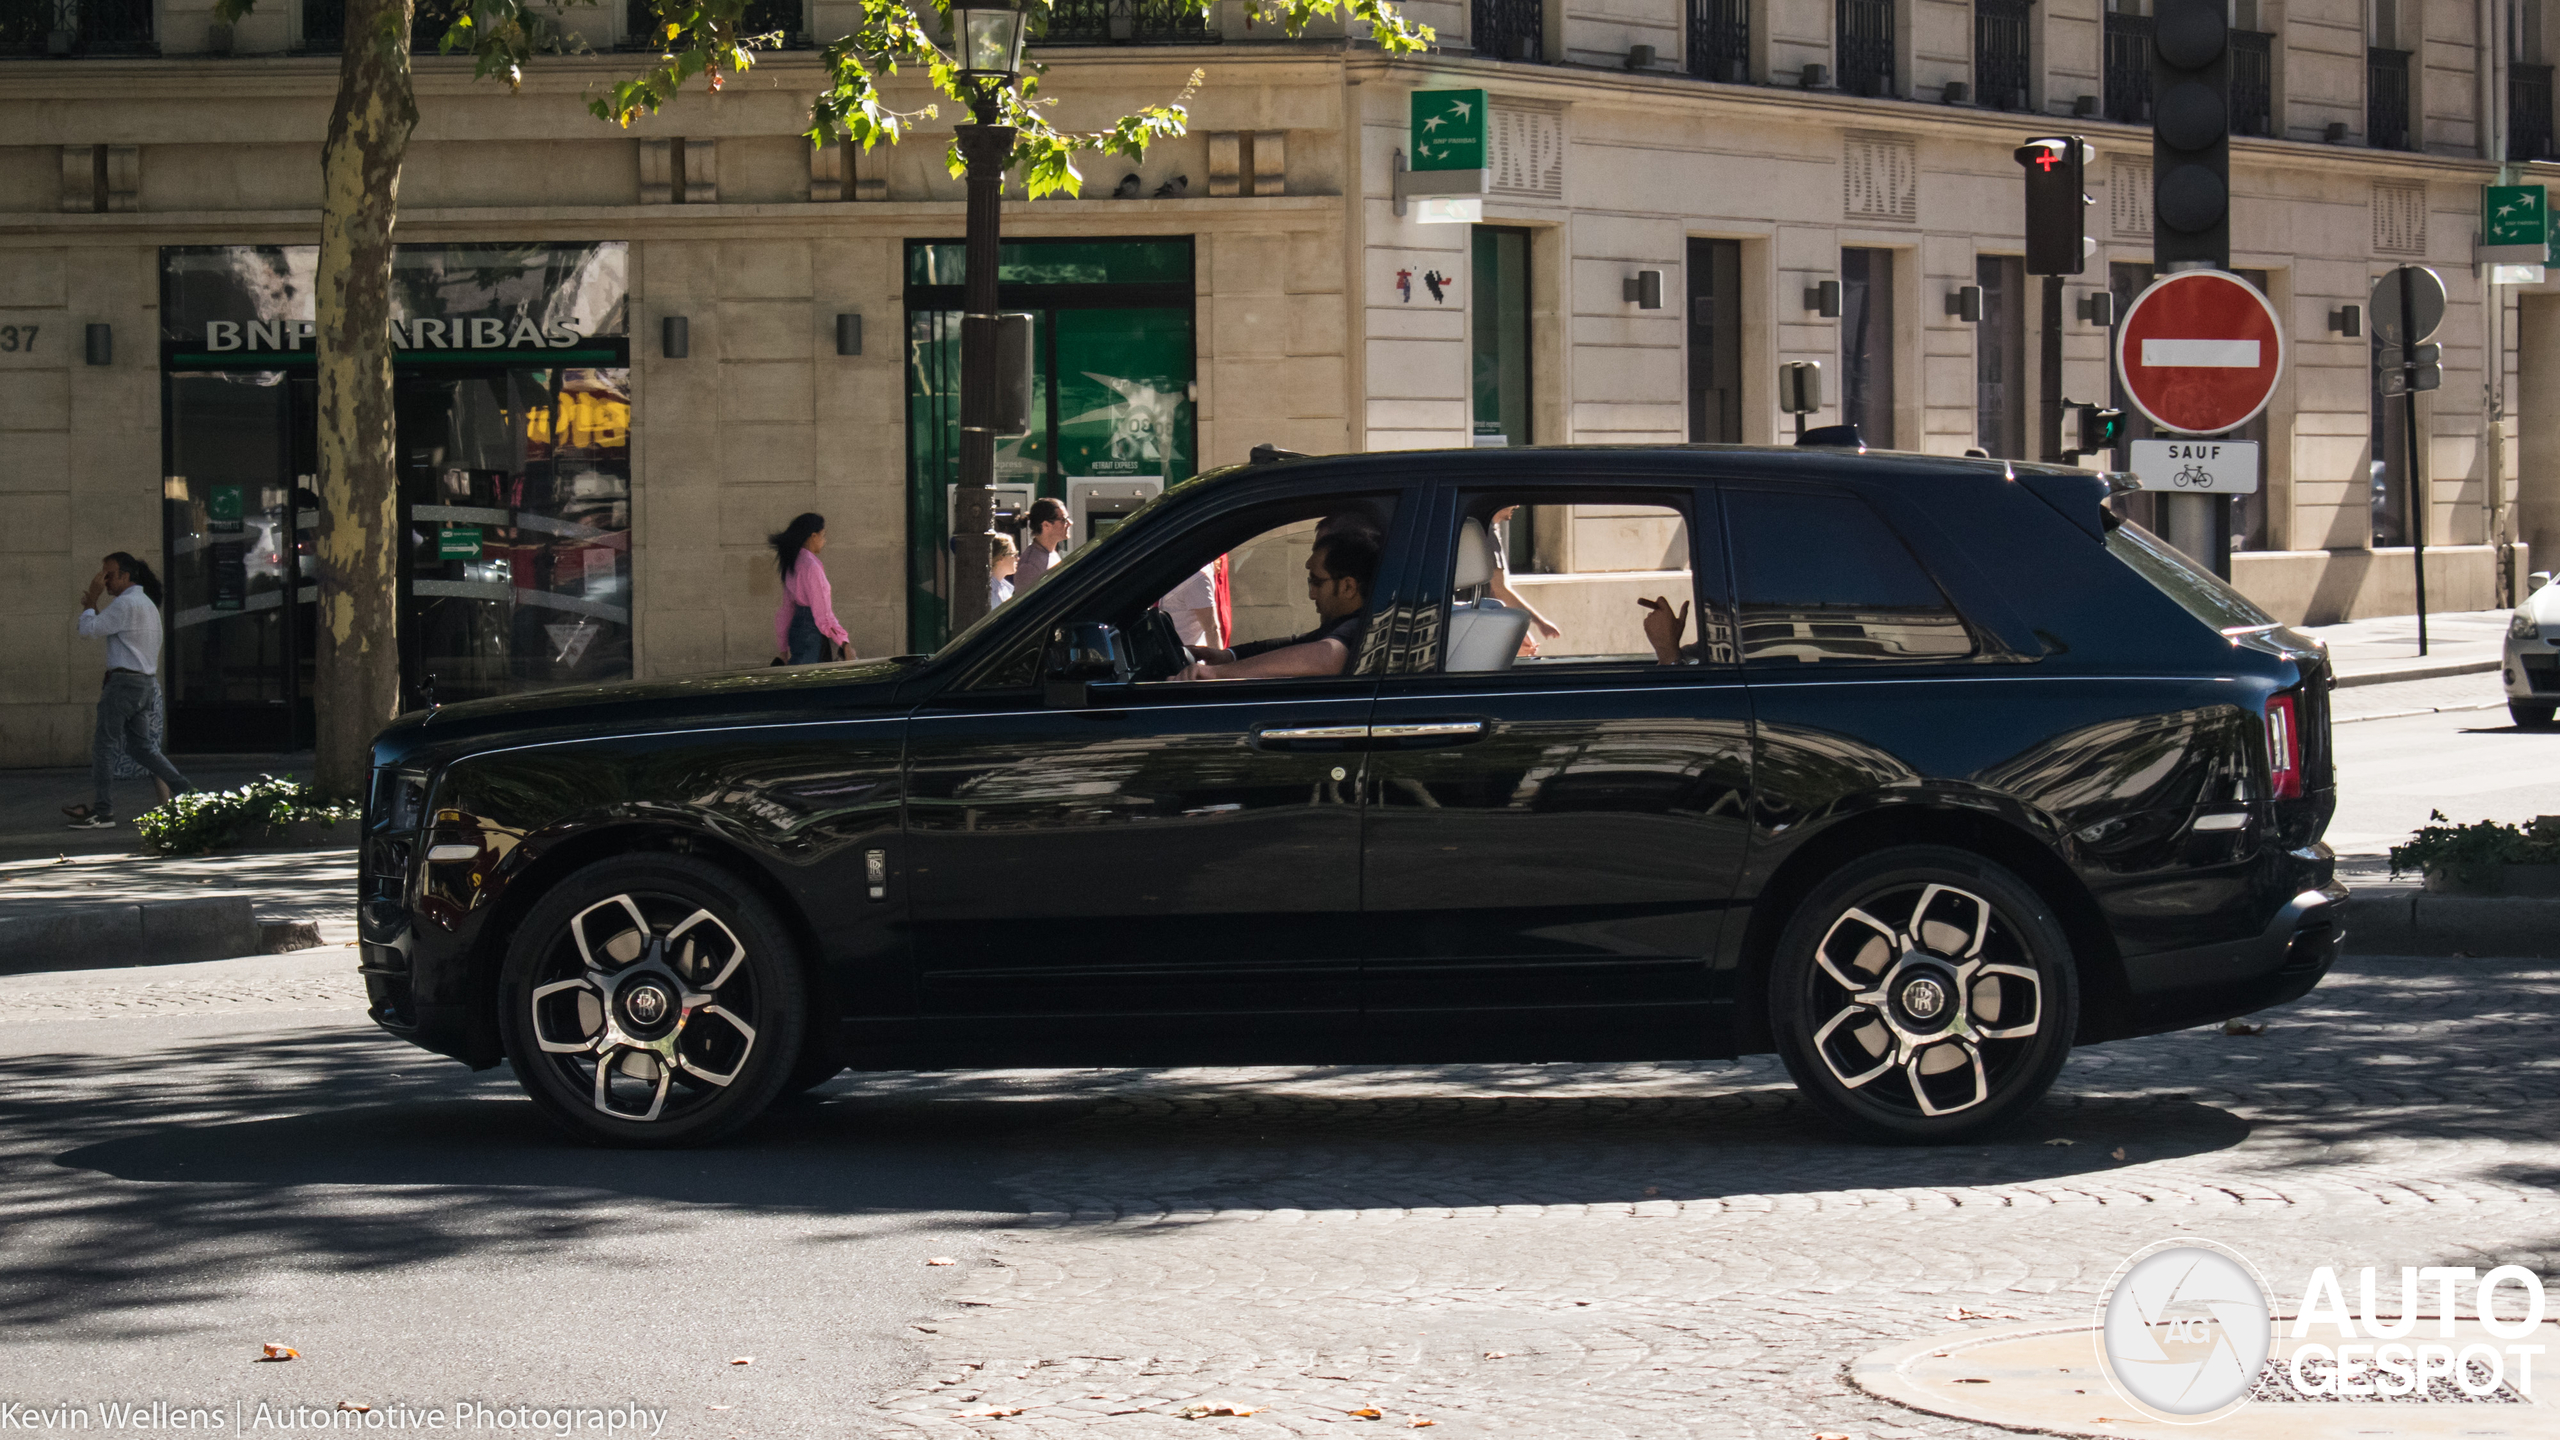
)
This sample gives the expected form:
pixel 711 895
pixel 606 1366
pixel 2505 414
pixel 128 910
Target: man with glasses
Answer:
pixel 1340 571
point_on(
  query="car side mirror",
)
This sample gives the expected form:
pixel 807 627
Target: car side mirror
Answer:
pixel 1078 657
pixel 2536 581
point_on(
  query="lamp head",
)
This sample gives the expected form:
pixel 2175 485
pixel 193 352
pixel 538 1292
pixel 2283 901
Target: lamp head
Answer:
pixel 990 33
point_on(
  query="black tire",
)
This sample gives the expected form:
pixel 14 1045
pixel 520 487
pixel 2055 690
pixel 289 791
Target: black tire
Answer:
pixel 688 931
pixel 1853 1052
pixel 2530 714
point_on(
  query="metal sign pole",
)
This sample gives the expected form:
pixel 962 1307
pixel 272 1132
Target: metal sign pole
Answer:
pixel 2049 376
pixel 2409 423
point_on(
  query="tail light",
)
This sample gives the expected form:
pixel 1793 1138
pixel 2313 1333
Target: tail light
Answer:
pixel 2284 749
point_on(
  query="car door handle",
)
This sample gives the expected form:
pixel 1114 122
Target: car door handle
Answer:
pixel 1446 732
pixel 1290 737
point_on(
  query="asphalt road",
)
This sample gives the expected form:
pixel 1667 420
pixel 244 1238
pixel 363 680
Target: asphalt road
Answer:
pixel 2468 761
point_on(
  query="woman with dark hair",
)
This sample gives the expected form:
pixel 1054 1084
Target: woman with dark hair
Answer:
pixel 130 624
pixel 805 628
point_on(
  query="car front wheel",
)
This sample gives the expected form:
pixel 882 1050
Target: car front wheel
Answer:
pixel 2530 714
pixel 1923 995
pixel 648 1000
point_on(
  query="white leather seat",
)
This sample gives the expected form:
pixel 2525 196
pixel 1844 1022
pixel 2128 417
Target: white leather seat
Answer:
pixel 1483 634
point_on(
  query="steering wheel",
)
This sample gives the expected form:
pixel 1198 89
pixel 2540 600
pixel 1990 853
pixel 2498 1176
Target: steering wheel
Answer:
pixel 1156 651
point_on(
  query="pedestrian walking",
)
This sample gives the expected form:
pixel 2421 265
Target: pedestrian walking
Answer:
pixel 1045 526
pixel 805 628
pixel 129 622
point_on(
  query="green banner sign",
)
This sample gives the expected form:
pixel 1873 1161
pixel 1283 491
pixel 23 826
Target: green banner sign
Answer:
pixel 1448 130
pixel 2514 215
pixel 458 542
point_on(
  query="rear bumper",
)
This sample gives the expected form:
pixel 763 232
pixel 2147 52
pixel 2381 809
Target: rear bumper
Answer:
pixel 2175 989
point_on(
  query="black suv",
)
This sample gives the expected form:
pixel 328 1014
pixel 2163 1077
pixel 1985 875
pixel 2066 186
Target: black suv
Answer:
pixel 1915 770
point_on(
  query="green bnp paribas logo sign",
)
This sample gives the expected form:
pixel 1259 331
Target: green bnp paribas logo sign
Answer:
pixel 1448 130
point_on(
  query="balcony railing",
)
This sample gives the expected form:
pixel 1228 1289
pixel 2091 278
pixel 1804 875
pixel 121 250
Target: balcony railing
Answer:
pixel 1508 29
pixel 2000 53
pixel 324 23
pixel 76 27
pixel 1865 49
pixel 762 17
pixel 2128 80
pixel 2529 112
pixel 1720 40
pixel 1126 22
pixel 2386 99
pixel 2253 82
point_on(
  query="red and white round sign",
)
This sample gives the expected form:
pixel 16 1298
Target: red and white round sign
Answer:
pixel 2200 352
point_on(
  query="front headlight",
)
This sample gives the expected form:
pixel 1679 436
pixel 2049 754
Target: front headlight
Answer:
pixel 2522 626
pixel 399 801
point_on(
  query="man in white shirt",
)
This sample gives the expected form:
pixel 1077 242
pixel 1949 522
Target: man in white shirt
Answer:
pixel 1045 527
pixel 130 624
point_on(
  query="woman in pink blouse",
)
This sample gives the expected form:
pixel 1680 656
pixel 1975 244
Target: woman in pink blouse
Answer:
pixel 805 628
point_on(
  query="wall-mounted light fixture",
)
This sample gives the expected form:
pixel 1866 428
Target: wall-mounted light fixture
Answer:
pixel 102 344
pixel 2336 133
pixel 2348 320
pixel 1640 57
pixel 1965 303
pixel 2098 308
pixel 2085 107
pixel 675 337
pixel 1956 93
pixel 1823 299
pixel 1815 77
pixel 1644 289
pixel 848 334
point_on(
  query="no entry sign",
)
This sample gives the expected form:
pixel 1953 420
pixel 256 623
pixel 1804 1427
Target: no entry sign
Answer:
pixel 2200 352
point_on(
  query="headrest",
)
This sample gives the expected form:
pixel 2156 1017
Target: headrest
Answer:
pixel 1475 556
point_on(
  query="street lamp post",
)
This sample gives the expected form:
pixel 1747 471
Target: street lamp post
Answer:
pixel 990 34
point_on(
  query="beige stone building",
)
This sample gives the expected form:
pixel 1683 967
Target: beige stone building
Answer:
pixel 589 486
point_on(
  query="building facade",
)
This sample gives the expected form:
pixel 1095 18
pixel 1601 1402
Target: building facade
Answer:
pixel 587 486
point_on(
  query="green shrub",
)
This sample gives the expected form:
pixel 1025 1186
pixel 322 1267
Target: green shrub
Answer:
pixel 2469 853
pixel 194 823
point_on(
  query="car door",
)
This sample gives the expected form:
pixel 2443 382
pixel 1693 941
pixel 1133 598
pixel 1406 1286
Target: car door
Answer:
pixel 1553 840
pixel 1167 874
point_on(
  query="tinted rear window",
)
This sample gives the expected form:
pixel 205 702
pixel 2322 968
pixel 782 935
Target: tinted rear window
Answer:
pixel 1822 577
pixel 2197 590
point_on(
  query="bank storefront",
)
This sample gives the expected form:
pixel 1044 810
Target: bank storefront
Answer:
pixel 513 399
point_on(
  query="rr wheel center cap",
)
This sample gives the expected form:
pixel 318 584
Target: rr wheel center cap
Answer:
pixel 648 1004
pixel 1924 998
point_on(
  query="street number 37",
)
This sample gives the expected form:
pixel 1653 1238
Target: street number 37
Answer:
pixel 17 337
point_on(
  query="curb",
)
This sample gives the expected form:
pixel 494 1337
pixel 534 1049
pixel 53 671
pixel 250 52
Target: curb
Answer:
pixel 2418 923
pixel 2419 672
pixel 163 932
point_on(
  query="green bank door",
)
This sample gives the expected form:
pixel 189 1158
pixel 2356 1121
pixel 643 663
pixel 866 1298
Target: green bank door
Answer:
pixel 1113 363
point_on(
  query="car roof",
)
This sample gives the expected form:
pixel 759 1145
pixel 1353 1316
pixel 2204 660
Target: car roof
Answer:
pixel 1702 461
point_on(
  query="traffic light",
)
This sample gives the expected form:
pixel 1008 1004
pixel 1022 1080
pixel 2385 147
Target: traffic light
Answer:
pixel 2057 204
pixel 2097 428
pixel 2191 133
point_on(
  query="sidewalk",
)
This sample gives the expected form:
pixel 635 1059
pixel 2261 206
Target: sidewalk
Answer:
pixel 2385 649
pixel 32 826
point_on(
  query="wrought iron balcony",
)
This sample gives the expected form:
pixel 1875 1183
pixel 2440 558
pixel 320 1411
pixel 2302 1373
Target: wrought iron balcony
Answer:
pixel 763 17
pixel 1720 39
pixel 1864 50
pixel 1126 22
pixel 324 23
pixel 2529 112
pixel 76 27
pixel 2253 82
pixel 2000 71
pixel 2386 99
pixel 1508 29
pixel 2128 79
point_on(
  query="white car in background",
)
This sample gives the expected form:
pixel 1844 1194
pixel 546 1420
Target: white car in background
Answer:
pixel 2531 665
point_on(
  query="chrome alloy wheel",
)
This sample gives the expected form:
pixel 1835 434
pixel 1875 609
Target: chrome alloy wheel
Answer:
pixel 1926 993
pixel 656 995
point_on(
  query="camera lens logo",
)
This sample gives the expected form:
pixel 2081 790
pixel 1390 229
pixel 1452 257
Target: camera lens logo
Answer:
pixel 2185 1331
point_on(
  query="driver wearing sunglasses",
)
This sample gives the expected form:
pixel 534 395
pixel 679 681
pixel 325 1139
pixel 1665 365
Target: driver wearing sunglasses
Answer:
pixel 1340 570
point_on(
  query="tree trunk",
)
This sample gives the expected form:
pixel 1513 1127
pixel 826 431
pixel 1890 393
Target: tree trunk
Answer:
pixel 359 653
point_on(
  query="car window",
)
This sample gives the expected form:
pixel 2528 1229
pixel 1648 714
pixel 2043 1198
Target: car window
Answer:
pixel 2197 590
pixel 1546 581
pixel 1823 577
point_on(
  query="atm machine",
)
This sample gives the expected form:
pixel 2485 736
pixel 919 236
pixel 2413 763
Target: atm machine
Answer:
pixel 1097 504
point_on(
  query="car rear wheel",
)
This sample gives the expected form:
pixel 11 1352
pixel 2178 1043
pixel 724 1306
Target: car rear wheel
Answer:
pixel 2530 714
pixel 649 1001
pixel 1923 994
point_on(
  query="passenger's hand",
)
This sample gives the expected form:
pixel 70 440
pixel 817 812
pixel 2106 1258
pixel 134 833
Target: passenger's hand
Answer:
pixel 1197 670
pixel 1546 627
pixel 1664 629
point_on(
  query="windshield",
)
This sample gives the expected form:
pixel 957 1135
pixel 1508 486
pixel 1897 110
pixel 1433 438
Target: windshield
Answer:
pixel 2195 588
pixel 1109 540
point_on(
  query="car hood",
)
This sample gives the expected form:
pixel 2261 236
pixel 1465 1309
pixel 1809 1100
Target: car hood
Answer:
pixel 2543 606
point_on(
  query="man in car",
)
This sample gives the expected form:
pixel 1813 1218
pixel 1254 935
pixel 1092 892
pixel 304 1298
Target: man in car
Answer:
pixel 1340 570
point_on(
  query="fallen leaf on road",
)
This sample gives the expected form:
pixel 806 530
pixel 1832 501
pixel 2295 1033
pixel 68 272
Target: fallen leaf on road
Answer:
pixel 1497 1354
pixel 1365 1412
pixel 2059 1141
pixel 278 1352
pixel 1971 1380
pixel 1203 1412
pixel 2242 1027
pixel 358 1406
pixel 942 1260
pixel 717 1407
pixel 1961 1313
pixel 2116 1154
pixel 1829 1435
pixel 1653 1189
pixel 1417 1423
pixel 744 1360
pixel 989 1412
